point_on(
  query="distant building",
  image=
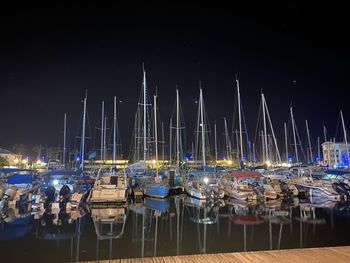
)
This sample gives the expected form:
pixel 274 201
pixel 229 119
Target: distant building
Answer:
pixel 335 153
pixel 12 158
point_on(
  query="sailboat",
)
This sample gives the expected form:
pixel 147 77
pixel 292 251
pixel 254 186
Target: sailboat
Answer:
pixel 110 185
pixel 176 146
pixel 141 142
pixel 201 184
pixel 267 152
pixel 158 188
pixel 142 176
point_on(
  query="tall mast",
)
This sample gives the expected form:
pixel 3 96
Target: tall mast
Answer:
pixel 239 119
pixel 308 138
pixel 286 141
pixel 237 147
pixel 136 139
pixel 202 126
pixel 345 137
pixel 192 150
pixel 215 145
pixel 163 143
pixel 294 136
pixel 262 146
pixel 318 149
pixel 177 130
pixel 102 128
pixel 144 118
pixel 264 123
pixel 325 133
pixel 226 140
pixel 273 133
pixel 170 141
pixel 105 140
pixel 155 131
pixel 83 136
pixel 253 154
pixel 114 129
pixel 64 139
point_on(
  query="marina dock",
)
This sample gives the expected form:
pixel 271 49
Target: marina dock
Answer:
pixel 324 254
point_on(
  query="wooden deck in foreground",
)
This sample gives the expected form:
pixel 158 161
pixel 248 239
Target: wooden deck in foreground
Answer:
pixel 326 254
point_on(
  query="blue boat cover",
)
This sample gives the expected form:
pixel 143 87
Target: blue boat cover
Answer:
pixel 20 179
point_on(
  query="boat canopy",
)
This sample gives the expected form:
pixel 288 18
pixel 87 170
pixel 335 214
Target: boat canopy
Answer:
pixel 246 174
pixel 18 178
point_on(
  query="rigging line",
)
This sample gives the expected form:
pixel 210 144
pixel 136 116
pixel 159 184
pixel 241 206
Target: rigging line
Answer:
pixel 88 128
pixel 257 123
pixel 337 127
pixel 93 141
pixel 234 112
pixel 119 138
pixel 245 128
pixel 301 145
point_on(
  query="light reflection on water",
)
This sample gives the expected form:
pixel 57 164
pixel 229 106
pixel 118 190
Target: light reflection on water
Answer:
pixel 175 226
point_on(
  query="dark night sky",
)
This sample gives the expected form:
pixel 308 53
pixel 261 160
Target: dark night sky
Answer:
pixel 49 56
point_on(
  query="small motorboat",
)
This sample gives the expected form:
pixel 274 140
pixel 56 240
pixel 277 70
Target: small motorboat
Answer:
pixel 203 185
pixel 248 185
pixel 64 187
pixel 109 187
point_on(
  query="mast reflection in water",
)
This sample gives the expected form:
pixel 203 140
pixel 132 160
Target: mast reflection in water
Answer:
pixel 175 226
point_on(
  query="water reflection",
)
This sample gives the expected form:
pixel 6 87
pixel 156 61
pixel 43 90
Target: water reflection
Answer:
pixel 202 212
pixel 109 224
pixel 173 226
pixel 60 225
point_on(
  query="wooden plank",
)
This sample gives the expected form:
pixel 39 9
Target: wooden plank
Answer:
pixel 142 260
pixel 309 255
pixel 158 260
pixel 169 259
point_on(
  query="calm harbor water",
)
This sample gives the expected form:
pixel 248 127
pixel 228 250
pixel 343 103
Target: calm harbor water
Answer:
pixel 176 226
